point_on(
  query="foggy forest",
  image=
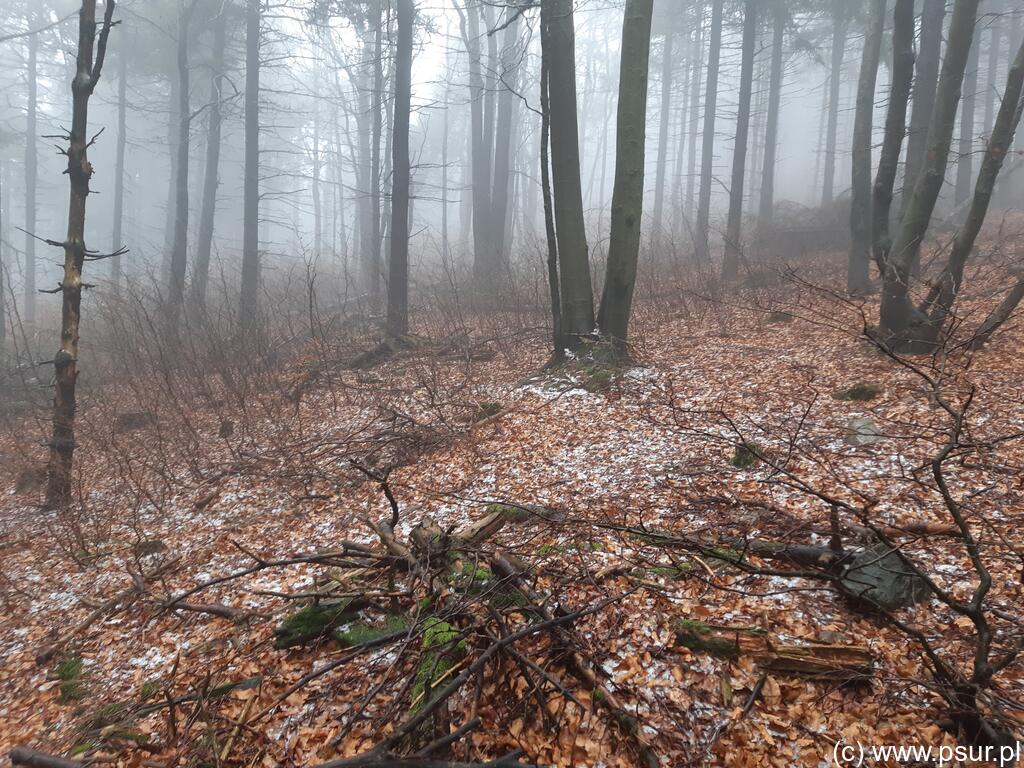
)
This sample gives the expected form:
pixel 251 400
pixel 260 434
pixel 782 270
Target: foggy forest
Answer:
pixel 511 383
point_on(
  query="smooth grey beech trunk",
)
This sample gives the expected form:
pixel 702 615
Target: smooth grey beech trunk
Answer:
pixel 734 226
pixel 249 309
pixel 895 129
pixel 766 207
pixel 926 80
pixel 664 120
pixel 840 25
pixel 398 262
pixel 703 248
pixel 211 177
pixel 122 144
pixel 179 246
pixel 857 273
pixel 31 176
pixel 968 116
pixel 628 189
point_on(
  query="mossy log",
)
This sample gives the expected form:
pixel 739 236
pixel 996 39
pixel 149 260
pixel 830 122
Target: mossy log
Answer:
pixel 315 621
pixel 844 663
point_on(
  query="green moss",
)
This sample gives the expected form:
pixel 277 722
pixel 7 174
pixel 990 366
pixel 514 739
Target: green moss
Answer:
pixel 550 549
pixel 746 455
pixel 671 571
pixel 81 749
pixel 147 689
pixel 723 641
pixel 511 513
pixel 69 671
pixel 311 622
pixel 860 393
pixel 438 634
pixel 509 598
pixel 724 554
pixel 780 317
pixel 361 632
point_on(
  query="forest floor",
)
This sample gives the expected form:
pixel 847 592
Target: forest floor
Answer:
pixel 207 490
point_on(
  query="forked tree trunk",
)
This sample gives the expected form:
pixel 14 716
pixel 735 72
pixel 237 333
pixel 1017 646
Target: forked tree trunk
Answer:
pixel 664 119
pixel 941 298
pixel 900 320
pixel 122 143
pixel 628 191
pixel 734 228
pixel 179 248
pixel 857 273
pixel 249 309
pixel 840 22
pixel 211 178
pixel 895 128
pixel 89 66
pixel 708 137
pixel 968 108
pixel 31 177
pixel 577 301
pixel 766 208
pixel 926 80
pixel 398 265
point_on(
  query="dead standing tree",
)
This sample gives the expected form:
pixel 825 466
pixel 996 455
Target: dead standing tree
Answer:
pixel 87 74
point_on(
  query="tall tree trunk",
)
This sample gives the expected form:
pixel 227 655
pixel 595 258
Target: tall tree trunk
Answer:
pixel 628 192
pixel 89 66
pixel 734 226
pixel 840 25
pixel 899 318
pixel 664 120
pixel 574 265
pixel 895 129
pixel 558 338
pixel 766 209
pixel 249 310
pixel 211 177
pixel 398 268
pixel 171 210
pixel 942 296
pixel 372 269
pixel 708 140
pixel 858 280
pixel 926 80
pixel 696 65
pixel 968 108
pixel 31 176
pixel 318 213
pixel 445 131
pixel 994 49
pixel 3 264
pixel 502 176
pixel 480 153
pixel 179 249
pixel 122 144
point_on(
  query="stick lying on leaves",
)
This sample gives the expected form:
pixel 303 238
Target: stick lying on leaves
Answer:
pixel 33 759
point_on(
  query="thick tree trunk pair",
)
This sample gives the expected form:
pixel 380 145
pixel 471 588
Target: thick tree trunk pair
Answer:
pixel 905 326
pixel 89 66
pixel 574 307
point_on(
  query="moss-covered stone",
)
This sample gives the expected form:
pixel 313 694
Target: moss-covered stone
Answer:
pixel 312 622
pixel 362 632
pixel 746 455
pixel 860 393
